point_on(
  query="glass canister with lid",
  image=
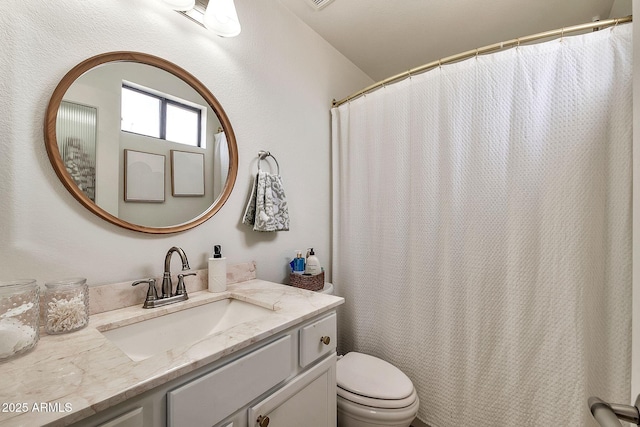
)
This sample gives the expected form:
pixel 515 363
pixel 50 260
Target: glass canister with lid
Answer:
pixel 19 317
pixel 66 305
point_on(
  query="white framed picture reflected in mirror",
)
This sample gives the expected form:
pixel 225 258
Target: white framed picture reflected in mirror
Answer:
pixel 187 174
pixel 144 177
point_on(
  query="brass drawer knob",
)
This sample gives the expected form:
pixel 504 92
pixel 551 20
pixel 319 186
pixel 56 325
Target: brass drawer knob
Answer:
pixel 325 340
pixel 263 421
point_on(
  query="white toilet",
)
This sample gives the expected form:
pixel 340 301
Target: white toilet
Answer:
pixel 372 392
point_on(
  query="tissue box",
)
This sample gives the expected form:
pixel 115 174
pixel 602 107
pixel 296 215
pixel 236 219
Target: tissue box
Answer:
pixel 310 283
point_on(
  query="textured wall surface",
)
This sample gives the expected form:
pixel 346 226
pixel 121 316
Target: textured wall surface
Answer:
pixel 275 82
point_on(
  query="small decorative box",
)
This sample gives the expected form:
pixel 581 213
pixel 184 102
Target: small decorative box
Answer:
pixel 309 282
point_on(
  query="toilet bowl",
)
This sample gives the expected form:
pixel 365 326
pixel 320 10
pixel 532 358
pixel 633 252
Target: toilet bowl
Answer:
pixel 372 392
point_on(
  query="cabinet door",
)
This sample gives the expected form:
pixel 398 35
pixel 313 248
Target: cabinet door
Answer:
pixel 309 400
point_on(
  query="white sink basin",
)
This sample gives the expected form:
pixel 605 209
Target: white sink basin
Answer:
pixel 149 337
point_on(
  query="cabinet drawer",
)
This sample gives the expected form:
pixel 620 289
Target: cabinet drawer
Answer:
pixel 311 339
pixel 211 398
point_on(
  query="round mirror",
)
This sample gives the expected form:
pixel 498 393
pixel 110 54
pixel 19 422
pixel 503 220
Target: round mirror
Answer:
pixel 141 143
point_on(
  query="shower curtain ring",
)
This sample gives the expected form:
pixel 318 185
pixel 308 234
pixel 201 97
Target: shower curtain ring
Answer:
pixel 561 34
pixel 518 44
pixel 439 63
pixel 476 53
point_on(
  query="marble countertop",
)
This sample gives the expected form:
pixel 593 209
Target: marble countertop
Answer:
pixel 73 376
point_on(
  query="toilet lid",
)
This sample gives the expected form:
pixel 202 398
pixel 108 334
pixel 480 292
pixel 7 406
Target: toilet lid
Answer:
pixel 372 377
pixel 408 401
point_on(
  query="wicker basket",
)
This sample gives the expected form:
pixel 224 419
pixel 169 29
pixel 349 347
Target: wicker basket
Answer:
pixel 310 283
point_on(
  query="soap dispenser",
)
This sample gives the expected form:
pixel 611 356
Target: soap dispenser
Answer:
pixel 217 271
pixel 313 264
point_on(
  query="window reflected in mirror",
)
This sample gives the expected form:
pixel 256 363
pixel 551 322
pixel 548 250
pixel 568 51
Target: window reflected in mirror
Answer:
pixel 156 115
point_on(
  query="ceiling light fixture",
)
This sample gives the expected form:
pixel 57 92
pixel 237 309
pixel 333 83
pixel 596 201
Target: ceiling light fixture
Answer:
pixel 221 18
pixel 181 5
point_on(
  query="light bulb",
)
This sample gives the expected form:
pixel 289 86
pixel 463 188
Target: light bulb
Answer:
pixel 221 18
pixel 181 5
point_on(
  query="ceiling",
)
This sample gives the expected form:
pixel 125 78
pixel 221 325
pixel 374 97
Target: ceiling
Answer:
pixel 387 37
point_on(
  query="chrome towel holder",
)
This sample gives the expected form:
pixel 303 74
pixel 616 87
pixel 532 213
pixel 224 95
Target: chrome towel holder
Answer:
pixel 262 154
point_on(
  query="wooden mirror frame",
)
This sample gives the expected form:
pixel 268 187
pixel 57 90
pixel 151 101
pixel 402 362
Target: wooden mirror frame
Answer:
pixel 53 151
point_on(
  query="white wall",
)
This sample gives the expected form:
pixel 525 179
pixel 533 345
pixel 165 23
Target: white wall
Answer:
pixel 275 81
pixel 620 8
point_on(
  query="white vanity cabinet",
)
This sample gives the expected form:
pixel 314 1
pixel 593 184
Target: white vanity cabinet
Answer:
pixel 287 380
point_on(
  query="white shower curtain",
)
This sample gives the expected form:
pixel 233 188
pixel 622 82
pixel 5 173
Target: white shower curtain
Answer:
pixel 482 231
pixel 220 162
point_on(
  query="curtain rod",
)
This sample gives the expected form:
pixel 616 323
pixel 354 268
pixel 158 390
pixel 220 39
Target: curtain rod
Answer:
pixel 486 49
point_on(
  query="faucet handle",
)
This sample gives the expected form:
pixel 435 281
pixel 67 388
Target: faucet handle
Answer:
pixel 180 287
pixel 152 293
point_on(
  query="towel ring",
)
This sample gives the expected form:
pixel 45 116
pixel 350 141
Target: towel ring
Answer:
pixel 263 155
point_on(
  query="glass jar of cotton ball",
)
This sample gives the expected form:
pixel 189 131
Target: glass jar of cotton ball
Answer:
pixel 66 305
pixel 19 317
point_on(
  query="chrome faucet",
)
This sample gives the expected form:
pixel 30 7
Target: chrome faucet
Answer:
pixel 166 278
pixel 153 300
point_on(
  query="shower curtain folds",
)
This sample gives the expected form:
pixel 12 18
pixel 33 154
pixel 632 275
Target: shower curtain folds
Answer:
pixel 482 231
